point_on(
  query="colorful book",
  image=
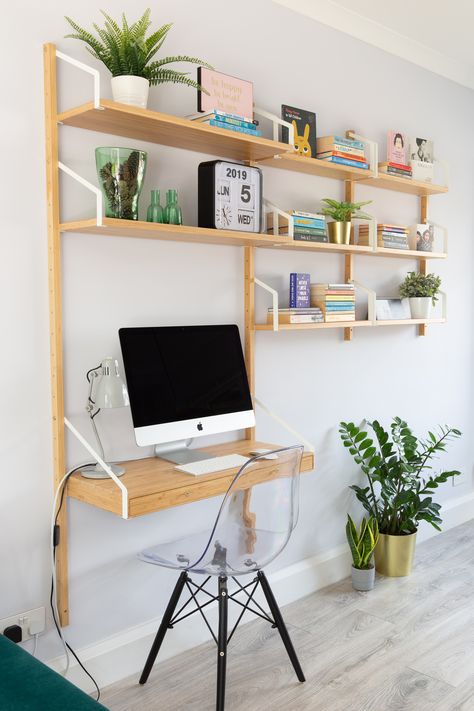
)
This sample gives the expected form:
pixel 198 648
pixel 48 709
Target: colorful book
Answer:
pixel 238 129
pixel 322 238
pixel 315 215
pixel 339 154
pixel 308 222
pixel 326 143
pixel 346 161
pixel 304 125
pixel 300 295
pixel 397 147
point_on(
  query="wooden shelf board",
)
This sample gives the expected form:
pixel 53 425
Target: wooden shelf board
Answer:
pixel 145 125
pixel 406 253
pixel 411 322
pixel 311 326
pixel 405 185
pixel 154 484
pixel 314 166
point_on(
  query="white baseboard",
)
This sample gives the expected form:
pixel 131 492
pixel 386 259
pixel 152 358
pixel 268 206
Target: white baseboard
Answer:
pixel 124 654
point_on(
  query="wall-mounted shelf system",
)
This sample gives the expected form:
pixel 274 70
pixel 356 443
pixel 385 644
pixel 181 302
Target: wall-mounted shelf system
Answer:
pixel 148 485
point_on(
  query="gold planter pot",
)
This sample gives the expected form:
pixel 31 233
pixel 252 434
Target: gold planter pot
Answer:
pixel 339 232
pixel 394 555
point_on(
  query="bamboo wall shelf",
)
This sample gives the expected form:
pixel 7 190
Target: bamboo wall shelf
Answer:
pixel 145 125
pixel 405 185
pixel 348 324
pixel 314 166
pixel 154 485
pixel 202 235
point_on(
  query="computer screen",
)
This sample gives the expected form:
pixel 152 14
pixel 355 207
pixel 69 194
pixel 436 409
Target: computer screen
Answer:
pixel 184 380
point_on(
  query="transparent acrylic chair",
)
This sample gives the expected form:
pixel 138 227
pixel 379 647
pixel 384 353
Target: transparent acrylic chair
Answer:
pixel 253 526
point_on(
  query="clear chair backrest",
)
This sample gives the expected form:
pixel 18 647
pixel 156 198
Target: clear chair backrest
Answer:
pixel 257 515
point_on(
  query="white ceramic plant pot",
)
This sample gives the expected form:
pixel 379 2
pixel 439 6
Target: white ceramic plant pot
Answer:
pixel 420 306
pixel 131 90
pixel 363 580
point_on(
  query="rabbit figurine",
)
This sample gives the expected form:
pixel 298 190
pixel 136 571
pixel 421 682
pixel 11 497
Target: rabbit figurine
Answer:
pixel 302 146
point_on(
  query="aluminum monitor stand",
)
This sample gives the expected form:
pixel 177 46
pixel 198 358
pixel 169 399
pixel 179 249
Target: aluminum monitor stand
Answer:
pixel 179 452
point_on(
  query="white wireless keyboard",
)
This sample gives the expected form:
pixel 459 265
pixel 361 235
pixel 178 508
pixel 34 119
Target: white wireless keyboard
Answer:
pixel 216 464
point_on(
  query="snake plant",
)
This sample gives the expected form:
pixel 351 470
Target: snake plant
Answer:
pixel 126 50
pixel 363 541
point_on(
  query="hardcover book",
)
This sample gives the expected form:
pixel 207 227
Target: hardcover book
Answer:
pixel 397 147
pixel 304 124
pixel 300 290
pixel 226 93
pixel 422 171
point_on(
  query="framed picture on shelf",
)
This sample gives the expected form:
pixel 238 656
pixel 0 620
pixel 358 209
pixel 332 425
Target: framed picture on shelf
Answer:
pixel 424 238
pixel 392 309
pixel 226 93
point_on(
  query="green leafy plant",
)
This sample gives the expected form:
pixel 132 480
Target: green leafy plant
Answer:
pixel 345 211
pixel 416 284
pixel 398 494
pixel 126 50
pixel 363 541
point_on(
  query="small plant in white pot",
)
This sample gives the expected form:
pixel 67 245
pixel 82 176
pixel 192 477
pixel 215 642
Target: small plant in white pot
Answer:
pixel 421 290
pixel 127 53
pixel 362 543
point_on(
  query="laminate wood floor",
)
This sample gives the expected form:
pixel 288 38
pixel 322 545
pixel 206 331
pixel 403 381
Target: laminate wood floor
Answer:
pixel 408 645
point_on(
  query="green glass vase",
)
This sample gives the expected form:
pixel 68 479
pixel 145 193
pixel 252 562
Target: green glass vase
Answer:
pixel 172 214
pixel 155 211
pixel 121 174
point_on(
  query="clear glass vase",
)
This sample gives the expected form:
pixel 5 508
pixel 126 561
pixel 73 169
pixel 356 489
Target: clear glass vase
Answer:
pixel 172 214
pixel 155 211
pixel 121 173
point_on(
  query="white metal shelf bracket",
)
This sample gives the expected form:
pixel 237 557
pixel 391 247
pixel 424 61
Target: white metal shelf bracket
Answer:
pixel 277 121
pixel 89 70
pixel 274 294
pixel 103 464
pixel 373 151
pixel 371 296
pixel 93 188
pixel 275 211
pixel 445 236
pixel 445 169
pixel 285 425
pixel 444 305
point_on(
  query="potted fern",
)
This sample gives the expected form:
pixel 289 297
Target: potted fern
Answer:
pixel 127 53
pixel 400 485
pixel 362 543
pixel 342 213
pixel 421 290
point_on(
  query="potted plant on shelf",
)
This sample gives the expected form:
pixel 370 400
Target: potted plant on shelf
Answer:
pixel 127 53
pixel 362 543
pixel 342 213
pixel 397 494
pixel 421 290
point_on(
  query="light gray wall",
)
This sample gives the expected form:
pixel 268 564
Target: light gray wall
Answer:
pixel 312 379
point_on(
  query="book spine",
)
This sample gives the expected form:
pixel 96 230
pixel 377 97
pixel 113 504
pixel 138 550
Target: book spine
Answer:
pixel 238 129
pixel 348 142
pixel 396 171
pixel 308 222
pixel 300 237
pixel 399 166
pixel 236 122
pixel 349 149
pixel 314 215
pixel 341 154
pixel 309 231
pixel 346 161
pixel 293 278
pixel 219 112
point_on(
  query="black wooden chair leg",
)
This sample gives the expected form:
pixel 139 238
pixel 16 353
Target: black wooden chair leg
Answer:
pixel 276 614
pixel 222 643
pixel 163 628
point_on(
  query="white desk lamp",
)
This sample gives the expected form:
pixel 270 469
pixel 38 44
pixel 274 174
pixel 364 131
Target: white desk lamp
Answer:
pixel 110 391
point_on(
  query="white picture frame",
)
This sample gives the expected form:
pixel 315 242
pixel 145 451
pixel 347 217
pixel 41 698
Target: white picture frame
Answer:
pixel 395 309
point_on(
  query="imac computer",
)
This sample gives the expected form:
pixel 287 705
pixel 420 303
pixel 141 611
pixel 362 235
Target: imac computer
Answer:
pixel 185 382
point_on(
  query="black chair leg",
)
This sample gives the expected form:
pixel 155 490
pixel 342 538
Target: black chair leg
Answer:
pixel 222 643
pixel 163 628
pixel 275 610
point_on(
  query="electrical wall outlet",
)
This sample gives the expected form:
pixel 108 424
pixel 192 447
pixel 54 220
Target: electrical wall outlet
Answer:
pixel 34 620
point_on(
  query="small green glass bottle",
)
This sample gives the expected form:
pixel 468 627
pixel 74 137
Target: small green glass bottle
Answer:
pixel 155 211
pixel 172 214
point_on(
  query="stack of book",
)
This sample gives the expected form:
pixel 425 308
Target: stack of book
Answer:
pixel 389 236
pixel 400 169
pixel 229 122
pixel 336 301
pixel 343 151
pixel 309 315
pixel 307 226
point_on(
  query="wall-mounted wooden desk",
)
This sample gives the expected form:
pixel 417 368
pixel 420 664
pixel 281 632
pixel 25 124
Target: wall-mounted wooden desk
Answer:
pixel 154 484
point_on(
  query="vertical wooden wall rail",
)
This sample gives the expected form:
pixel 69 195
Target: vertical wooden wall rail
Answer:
pixel 249 299
pixel 349 193
pixel 54 269
pixel 423 263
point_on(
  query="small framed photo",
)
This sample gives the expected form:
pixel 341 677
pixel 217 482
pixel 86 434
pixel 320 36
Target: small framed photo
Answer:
pixel 424 238
pixel 392 309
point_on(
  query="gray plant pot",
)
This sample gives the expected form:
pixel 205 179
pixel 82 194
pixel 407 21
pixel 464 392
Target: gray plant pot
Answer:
pixel 363 580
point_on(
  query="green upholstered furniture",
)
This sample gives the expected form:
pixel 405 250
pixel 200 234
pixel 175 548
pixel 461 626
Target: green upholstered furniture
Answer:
pixel 27 684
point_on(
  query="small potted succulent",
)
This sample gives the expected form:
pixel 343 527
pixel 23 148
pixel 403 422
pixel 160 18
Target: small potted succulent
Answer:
pixel 362 543
pixel 421 290
pixel 129 55
pixel 342 213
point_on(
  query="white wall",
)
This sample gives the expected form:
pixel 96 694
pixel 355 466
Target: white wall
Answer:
pixel 312 379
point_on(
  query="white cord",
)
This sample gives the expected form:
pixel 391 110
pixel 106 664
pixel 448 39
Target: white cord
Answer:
pixel 35 645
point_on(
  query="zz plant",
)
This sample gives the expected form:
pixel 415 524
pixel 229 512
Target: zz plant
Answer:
pixel 126 50
pixel 363 541
pixel 345 211
pixel 400 480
